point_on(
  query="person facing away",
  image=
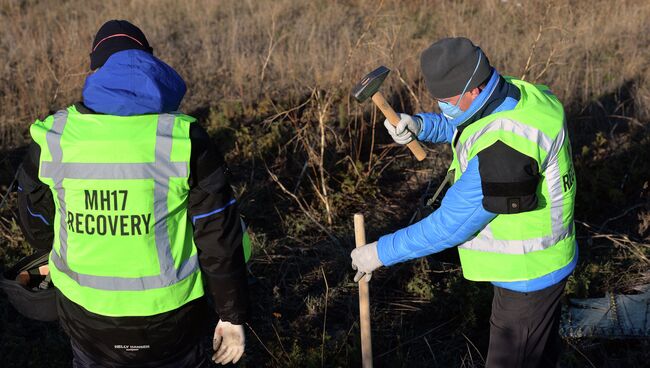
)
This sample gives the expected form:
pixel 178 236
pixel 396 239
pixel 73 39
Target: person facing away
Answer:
pixel 510 208
pixel 134 202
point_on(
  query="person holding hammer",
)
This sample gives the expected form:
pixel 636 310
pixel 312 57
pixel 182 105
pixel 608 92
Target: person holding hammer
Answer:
pixel 510 208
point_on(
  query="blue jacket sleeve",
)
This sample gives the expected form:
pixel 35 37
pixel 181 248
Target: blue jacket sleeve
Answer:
pixel 435 128
pixel 460 216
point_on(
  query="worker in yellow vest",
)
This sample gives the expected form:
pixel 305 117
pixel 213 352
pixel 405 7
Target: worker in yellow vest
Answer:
pixel 510 208
pixel 133 200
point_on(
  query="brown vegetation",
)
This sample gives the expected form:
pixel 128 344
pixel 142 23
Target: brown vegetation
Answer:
pixel 270 82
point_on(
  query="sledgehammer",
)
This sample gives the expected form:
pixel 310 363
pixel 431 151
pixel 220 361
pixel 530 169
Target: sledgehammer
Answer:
pixel 369 87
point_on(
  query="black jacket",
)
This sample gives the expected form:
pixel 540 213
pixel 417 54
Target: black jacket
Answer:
pixel 217 237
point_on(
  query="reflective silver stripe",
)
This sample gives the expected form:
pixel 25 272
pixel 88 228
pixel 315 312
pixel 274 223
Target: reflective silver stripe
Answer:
pixel 125 283
pixel 485 241
pixel 161 189
pixel 532 134
pixel 103 170
pixel 554 184
pixel 53 136
pixel 53 139
pixel 555 148
pixel 161 170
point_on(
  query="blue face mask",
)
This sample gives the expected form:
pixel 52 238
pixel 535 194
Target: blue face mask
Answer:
pixel 454 111
pixel 449 110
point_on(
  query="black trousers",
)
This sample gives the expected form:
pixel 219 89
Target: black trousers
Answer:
pixel 524 328
pixel 194 357
pixel 167 340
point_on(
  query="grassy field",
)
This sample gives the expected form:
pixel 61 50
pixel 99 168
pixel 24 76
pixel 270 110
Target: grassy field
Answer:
pixel 270 81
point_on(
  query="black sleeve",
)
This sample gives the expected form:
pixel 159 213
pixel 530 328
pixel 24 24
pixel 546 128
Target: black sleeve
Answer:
pixel 509 179
pixel 217 229
pixel 35 203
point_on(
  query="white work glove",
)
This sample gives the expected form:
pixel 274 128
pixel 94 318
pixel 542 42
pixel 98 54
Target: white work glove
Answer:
pixel 407 130
pixel 229 342
pixel 365 259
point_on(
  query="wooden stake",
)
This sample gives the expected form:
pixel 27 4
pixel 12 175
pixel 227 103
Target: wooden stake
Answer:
pixel 364 298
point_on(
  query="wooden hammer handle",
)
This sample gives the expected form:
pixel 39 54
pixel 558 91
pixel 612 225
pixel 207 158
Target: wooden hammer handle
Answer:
pixel 364 298
pixel 392 116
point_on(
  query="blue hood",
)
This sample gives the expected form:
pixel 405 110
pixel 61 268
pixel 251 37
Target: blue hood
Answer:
pixel 134 82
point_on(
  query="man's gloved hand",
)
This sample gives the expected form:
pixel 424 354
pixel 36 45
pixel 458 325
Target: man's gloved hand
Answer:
pixel 229 342
pixel 365 259
pixel 407 130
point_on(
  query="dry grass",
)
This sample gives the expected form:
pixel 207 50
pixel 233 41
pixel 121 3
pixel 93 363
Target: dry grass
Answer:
pixel 251 50
pixel 270 81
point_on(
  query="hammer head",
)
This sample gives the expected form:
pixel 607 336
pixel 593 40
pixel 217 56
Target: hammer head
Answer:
pixel 370 84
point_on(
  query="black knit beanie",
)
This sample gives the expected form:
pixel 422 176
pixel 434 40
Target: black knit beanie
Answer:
pixel 114 36
pixel 448 64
